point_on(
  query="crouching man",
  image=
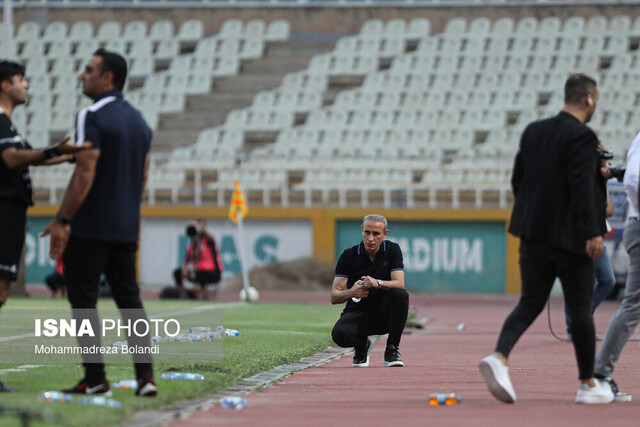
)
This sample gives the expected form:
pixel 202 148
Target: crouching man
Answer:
pixel 370 279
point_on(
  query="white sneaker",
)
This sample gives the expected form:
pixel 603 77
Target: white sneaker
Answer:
pixel 600 393
pixel 496 375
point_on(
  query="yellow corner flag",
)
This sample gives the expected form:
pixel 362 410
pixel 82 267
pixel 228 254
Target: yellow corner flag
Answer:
pixel 238 202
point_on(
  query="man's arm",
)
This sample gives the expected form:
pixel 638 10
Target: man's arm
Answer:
pixel 146 172
pixel 397 281
pixel 340 295
pixel 20 159
pixel 79 186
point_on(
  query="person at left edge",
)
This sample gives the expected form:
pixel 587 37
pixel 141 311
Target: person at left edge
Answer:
pixel 16 155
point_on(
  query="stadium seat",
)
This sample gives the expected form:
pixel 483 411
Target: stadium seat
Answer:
pixel 85 48
pixel 573 26
pixel 118 46
pixel 190 31
pixel 569 43
pixel 81 31
pixel 140 49
pixel 418 28
pixel 231 28
pixel 527 27
pixel 173 101
pixel 252 49
pixel 62 67
pixel 550 26
pixel 545 44
pixel 254 29
pixel 135 30
pixel 619 25
pixel 229 66
pixel 497 46
pixel 617 44
pixel 479 27
pixel 161 30
pixel 37 66
pixel 55 31
pixel 395 28
pixel 278 30
pixel 372 28
pixel 28 31
pixel 59 49
pixel 32 49
pixel 177 85
pixel 108 31
pixel 455 27
pixel 503 27
pixel 593 44
pixel 597 25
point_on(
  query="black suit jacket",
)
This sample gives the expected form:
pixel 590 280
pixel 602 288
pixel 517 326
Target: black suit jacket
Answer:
pixel 560 197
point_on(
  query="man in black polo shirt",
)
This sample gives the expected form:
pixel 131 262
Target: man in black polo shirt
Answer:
pixel 16 155
pixel 101 213
pixel 370 279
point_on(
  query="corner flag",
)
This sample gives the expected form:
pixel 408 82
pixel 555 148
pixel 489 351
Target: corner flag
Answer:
pixel 238 202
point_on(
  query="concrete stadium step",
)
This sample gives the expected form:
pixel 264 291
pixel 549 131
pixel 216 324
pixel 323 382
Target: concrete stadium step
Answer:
pixel 229 93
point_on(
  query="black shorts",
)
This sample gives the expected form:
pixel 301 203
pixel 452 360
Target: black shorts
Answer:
pixel 13 220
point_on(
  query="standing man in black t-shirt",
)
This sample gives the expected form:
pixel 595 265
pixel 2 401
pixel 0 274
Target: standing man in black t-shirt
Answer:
pixel 100 214
pixel 16 155
pixel 370 279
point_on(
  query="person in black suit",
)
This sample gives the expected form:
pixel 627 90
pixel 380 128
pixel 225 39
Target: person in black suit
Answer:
pixel 559 215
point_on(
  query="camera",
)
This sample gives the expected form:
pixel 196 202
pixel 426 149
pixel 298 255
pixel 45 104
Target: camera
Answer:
pixel 618 173
pixel 604 154
pixel 191 231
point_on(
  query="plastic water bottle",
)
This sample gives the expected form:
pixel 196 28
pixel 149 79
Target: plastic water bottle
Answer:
pixel 206 337
pixel 120 344
pixel 200 329
pixel 436 399
pixel 100 401
pixel 354 299
pixel 182 337
pixel 55 396
pixel 156 339
pixel 233 402
pixel 219 328
pixel 182 376
pixel 126 385
pixel 231 333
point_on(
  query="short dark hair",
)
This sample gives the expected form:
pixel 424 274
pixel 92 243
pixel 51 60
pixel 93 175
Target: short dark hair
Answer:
pixel 8 69
pixel 115 63
pixel 577 87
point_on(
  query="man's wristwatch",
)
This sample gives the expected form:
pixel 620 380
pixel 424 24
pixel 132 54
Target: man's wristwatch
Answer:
pixel 380 282
pixel 63 219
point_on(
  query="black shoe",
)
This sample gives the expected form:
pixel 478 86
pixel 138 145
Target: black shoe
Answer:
pixel 361 355
pixel 618 396
pixel 392 356
pixel 6 388
pixel 83 387
pixel 147 387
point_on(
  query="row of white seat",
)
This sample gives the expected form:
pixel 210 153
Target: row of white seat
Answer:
pixel 551 25
pixel 190 30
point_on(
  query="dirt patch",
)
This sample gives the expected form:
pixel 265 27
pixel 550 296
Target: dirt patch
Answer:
pixel 305 274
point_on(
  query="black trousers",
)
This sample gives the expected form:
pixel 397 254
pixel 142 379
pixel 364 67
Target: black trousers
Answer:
pixel 201 277
pixel 353 327
pixel 84 262
pixel 540 264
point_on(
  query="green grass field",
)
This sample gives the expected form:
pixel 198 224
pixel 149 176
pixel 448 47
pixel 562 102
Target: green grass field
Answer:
pixel 270 335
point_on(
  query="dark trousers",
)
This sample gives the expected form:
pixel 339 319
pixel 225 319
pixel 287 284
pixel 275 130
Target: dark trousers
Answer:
pixel 201 277
pixel 84 262
pixel 353 327
pixel 540 264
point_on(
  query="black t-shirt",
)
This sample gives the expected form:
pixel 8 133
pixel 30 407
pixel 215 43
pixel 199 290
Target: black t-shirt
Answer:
pixel 15 184
pixel 111 210
pixel 355 263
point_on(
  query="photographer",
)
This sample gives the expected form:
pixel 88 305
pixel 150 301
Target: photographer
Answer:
pixel 202 264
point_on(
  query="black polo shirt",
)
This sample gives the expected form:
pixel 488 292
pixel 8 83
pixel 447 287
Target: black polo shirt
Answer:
pixel 355 263
pixel 15 184
pixel 111 210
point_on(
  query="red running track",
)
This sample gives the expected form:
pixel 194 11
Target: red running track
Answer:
pixel 440 358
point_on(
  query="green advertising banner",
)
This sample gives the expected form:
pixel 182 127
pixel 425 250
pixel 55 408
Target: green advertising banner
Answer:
pixel 457 257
